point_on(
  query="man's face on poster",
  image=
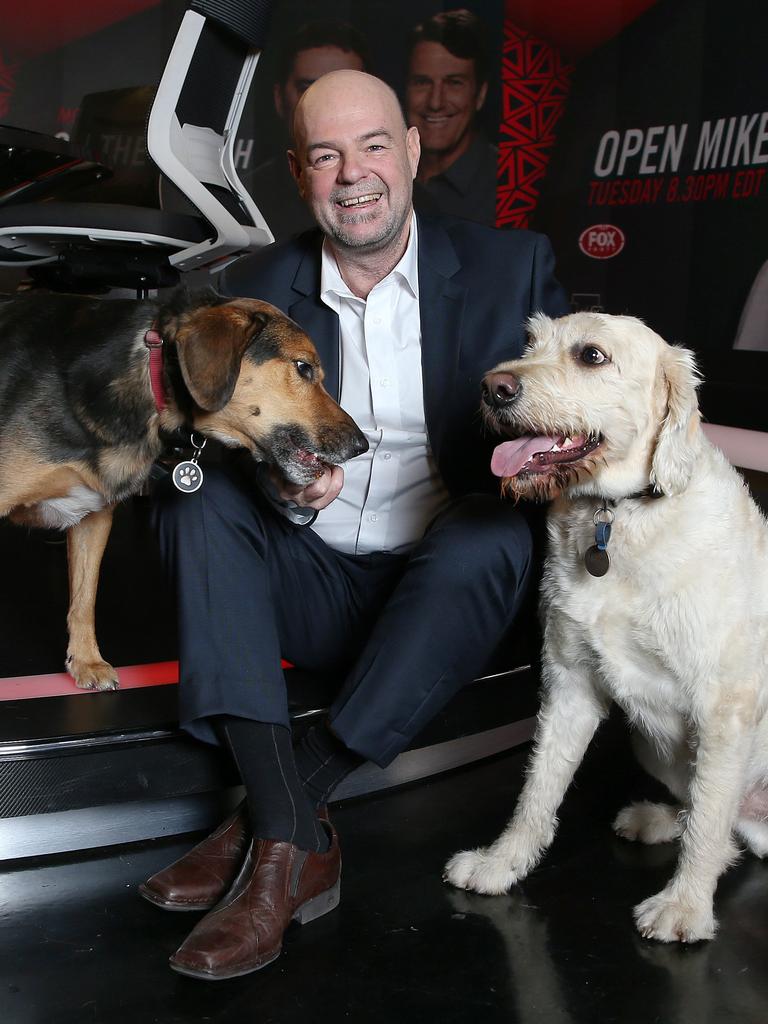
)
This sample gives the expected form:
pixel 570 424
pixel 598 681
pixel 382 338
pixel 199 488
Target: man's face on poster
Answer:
pixel 442 98
pixel 308 66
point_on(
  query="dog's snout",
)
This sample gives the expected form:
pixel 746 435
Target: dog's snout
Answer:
pixel 338 444
pixel 501 389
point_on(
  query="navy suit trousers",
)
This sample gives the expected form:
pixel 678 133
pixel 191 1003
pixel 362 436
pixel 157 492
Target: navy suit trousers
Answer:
pixel 403 632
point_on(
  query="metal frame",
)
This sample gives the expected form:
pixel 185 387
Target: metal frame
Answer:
pixel 38 835
pixel 189 155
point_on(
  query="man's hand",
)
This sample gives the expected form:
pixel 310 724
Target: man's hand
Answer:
pixel 318 495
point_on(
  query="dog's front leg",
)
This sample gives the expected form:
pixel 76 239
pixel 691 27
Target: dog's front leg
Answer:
pixel 683 911
pixel 85 546
pixel 570 713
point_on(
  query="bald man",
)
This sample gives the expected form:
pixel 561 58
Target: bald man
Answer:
pixel 397 574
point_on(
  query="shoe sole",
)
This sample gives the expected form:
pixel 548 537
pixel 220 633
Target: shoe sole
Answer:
pixel 319 905
pixel 156 901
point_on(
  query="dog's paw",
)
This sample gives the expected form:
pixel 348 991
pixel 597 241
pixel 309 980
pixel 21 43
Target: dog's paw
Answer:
pixel 665 918
pixel 649 823
pixel 480 871
pixel 92 675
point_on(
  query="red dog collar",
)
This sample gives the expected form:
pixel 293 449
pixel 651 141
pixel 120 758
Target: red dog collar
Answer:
pixel 154 343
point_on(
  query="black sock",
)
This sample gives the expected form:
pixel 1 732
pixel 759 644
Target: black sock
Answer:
pixel 278 805
pixel 322 761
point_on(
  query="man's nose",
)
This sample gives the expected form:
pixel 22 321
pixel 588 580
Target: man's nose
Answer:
pixel 435 96
pixel 352 168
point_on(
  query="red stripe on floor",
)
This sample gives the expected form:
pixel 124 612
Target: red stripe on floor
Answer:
pixel 59 684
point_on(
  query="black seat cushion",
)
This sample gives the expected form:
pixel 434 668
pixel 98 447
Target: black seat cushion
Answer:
pixel 141 221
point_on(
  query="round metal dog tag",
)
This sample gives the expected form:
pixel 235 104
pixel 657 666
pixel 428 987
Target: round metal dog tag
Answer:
pixel 596 561
pixel 187 477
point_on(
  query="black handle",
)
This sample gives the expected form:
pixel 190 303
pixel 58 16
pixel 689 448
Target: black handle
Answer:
pixel 248 19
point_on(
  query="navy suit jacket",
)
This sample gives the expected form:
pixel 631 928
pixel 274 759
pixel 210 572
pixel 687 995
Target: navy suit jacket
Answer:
pixel 477 287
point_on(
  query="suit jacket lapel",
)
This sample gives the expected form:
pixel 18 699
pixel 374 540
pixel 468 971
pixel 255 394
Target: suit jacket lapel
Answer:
pixel 441 303
pixel 320 322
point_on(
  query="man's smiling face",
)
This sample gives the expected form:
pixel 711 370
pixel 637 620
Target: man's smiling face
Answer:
pixel 442 98
pixel 354 161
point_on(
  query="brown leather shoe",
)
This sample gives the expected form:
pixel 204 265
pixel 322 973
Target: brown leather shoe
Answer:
pixel 199 879
pixel 278 884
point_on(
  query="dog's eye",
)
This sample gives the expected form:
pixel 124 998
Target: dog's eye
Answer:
pixel 592 356
pixel 306 370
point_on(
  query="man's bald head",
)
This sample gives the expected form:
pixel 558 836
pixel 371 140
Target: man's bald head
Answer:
pixel 340 89
pixel 354 160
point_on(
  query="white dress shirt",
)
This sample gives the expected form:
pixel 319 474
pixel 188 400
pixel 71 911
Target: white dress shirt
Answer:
pixel 392 492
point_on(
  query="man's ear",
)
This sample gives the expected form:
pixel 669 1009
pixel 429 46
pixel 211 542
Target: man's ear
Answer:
pixel 277 98
pixel 676 446
pixel 413 148
pixel 481 94
pixel 211 344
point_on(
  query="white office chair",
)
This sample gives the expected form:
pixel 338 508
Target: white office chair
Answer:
pixel 190 136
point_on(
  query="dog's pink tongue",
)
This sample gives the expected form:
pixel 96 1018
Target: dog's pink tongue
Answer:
pixel 510 456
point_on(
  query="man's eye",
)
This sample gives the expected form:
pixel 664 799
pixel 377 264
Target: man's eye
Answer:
pixel 592 356
pixel 305 370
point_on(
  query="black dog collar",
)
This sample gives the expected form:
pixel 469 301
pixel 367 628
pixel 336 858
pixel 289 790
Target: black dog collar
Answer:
pixel 596 559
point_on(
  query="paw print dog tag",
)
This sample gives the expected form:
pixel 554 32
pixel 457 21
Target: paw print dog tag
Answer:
pixel 188 476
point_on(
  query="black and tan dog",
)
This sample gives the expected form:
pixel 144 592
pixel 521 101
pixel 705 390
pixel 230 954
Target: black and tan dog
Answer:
pixel 80 423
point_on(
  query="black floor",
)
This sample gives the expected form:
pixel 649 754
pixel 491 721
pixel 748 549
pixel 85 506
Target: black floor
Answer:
pixel 78 945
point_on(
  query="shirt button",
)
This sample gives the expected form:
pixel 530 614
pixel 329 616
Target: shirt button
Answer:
pixel 385 382
pixel 373 518
pixel 377 319
pixel 387 455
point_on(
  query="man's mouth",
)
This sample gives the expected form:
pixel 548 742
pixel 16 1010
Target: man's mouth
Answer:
pixel 370 197
pixel 536 453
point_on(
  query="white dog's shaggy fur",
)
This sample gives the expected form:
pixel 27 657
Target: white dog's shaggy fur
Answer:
pixel 676 632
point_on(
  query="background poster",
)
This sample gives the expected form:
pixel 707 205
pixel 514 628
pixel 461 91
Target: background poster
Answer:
pixel 659 170
pixel 635 135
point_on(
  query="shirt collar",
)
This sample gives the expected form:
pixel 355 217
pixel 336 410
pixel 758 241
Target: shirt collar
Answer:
pixel 333 288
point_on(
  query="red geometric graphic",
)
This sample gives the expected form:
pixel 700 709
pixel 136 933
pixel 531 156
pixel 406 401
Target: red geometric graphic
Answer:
pixel 535 84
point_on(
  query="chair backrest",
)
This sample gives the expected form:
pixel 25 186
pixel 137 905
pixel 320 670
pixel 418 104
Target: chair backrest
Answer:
pixel 194 119
pixel 111 125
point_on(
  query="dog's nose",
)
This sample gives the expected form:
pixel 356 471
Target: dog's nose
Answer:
pixel 500 389
pixel 359 444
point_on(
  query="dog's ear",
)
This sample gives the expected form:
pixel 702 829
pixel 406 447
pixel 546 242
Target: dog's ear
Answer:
pixel 211 343
pixel 677 443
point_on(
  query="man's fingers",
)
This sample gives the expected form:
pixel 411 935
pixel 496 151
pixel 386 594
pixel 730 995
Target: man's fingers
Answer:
pixel 318 494
pixel 321 492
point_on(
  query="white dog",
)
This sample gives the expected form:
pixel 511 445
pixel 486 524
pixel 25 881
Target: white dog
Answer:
pixel 667 616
